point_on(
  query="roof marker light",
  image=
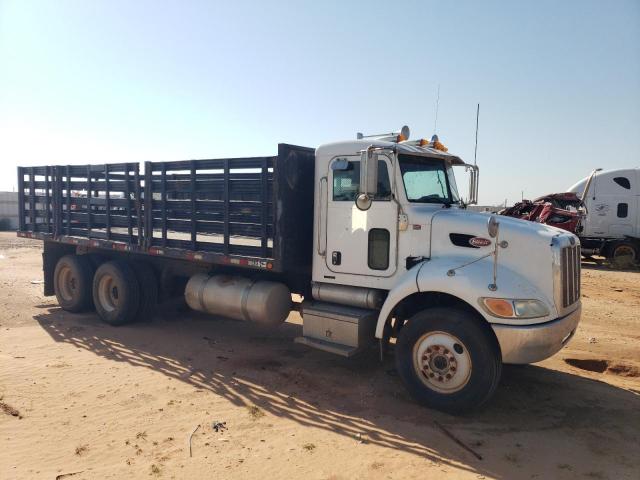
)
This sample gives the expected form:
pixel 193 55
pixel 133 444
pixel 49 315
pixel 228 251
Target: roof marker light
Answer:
pixel 435 142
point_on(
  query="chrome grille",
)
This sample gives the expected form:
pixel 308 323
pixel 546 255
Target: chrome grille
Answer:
pixel 570 268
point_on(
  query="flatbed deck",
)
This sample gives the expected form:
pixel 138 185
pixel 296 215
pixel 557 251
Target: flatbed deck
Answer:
pixel 243 212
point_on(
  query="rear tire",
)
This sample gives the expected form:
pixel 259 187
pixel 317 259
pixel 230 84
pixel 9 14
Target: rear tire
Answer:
pixel 72 280
pixel 448 359
pixel 624 254
pixel 116 293
pixel 148 282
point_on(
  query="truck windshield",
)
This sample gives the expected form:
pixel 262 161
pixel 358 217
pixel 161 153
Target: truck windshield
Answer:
pixel 427 180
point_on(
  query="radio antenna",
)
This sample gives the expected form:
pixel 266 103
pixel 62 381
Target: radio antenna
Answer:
pixel 435 123
pixel 475 152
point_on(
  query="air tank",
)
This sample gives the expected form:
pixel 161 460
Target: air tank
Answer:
pixel 240 298
pixel 346 295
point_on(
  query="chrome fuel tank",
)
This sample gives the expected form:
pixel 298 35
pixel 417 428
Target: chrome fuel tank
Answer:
pixel 263 302
pixel 346 295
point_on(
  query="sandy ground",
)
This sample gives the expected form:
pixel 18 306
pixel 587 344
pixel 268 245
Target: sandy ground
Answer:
pixel 80 396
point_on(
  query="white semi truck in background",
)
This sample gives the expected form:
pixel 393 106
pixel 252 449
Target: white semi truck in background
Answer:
pixel 371 232
pixel 610 225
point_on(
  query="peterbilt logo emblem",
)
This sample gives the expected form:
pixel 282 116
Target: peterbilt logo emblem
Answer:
pixel 479 242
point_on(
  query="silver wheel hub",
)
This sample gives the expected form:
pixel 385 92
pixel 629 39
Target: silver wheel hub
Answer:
pixel 442 362
pixel 439 363
pixel 108 294
pixel 67 284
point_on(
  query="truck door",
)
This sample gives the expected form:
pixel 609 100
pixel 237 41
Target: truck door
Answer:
pixel 360 242
pixel 612 206
pixel 624 205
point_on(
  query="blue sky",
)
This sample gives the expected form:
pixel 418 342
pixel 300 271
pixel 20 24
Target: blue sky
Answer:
pixel 111 81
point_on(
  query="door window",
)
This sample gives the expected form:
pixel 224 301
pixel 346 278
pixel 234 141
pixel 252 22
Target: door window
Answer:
pixel 623 210
pixel 346 182
pixel 378 256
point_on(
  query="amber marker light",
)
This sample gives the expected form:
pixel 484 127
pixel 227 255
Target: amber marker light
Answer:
pixel 499 307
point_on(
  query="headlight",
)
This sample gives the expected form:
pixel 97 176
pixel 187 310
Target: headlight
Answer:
pixel 530 308
pixel 514 308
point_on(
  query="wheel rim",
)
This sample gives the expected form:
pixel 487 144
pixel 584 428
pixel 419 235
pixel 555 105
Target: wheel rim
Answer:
pixel 108 293
pixel 624 254
pixel 67 284
pixel 442 362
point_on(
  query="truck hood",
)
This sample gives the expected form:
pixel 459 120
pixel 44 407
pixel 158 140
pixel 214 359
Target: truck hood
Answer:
pixel 455 220
pixel 527 251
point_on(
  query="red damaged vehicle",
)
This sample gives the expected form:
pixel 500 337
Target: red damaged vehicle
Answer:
pixel 562 210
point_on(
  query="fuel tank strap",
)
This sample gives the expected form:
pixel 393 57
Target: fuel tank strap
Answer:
pixel 201 291
pixel 245 297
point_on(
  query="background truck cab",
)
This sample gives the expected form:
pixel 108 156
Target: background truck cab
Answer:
pixel 611 225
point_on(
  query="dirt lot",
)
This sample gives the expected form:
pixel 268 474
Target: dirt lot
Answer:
pixel 80 396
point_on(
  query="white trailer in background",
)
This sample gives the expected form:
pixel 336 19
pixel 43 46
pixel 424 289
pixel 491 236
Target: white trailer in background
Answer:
pixel 611 226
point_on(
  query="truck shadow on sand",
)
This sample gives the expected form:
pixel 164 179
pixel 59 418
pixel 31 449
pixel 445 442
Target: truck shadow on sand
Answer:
pixel 586 426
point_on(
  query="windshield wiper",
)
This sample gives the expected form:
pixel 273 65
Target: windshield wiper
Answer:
pixel 433 199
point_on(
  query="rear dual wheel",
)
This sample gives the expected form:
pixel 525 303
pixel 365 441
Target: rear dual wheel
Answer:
pixel 72 280
pixel 116 292
pixel 121 292
pixel 124 293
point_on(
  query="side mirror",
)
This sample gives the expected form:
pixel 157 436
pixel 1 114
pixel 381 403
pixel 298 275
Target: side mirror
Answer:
pixel 368 180
pixel 473 186
pixel 493 225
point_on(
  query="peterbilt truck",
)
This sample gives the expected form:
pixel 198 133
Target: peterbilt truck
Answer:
pixel 370 233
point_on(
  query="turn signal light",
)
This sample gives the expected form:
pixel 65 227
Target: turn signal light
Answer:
pixel 499 307
pixel 514 308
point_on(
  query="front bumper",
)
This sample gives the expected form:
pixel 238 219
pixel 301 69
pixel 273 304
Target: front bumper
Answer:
pixel 533 343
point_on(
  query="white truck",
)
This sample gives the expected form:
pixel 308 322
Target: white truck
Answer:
pixel 611 222
pixel 371 232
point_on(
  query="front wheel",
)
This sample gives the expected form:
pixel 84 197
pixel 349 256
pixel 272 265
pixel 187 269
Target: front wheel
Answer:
pixel 448 359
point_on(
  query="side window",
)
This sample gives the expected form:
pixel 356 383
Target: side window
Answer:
pixel 623 182
pixel 346 182
pixel 378 251
pixel 623 210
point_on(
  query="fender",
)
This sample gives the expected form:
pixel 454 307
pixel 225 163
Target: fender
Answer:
pixel 468 284
pixel 405 286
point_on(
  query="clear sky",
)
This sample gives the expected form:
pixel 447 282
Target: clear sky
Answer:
pixel 558 82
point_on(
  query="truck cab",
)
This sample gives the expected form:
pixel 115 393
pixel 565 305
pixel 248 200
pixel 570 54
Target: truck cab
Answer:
pixel 611 224
pixel 398 256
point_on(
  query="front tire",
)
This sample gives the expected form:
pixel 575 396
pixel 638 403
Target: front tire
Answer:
pixel 72 280
pixel 116 293
pixel 448 359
